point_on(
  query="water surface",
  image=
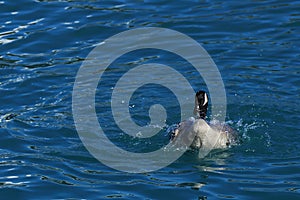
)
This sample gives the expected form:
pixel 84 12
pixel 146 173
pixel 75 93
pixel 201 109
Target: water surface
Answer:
pixel 255 46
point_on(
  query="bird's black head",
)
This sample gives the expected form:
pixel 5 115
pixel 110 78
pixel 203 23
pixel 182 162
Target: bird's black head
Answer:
pixel 201 104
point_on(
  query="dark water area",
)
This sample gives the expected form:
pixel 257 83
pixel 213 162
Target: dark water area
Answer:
pixel 255 45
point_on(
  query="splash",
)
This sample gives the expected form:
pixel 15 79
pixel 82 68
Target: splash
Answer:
pixel 254 135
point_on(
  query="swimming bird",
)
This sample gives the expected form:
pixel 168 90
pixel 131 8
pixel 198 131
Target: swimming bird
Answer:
pixel 205 135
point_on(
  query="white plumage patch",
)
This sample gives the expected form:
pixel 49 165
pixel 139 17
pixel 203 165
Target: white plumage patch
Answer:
pixel 205 99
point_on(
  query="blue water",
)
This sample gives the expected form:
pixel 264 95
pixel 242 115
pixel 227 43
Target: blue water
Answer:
pixel 255 45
